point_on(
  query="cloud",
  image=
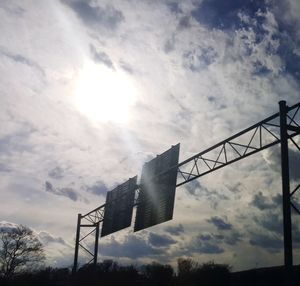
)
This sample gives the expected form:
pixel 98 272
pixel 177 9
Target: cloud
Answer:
pixel 132 247
pixel 209 248
pixel 127 67
pixel 199 58
pixel 224 14
pixel 47 238
pixel 4 168
pixel 12 8
pixel 175 230
pixel 198 191
pixel 271 243
pixel 270 221
pixel 204 244
pixel 22 60
pixel 66 192
pixel 94 16
pixel 159 240
pixel 101 57
pixel 56 173
pixel 230 238
pixel 194 187
pixel 6 226
pixel 219 223
pixel 273 158
pixel 98 188
pixel 261 202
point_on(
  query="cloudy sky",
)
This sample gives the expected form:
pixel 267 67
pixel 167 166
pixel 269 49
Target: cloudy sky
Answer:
pixel 90 90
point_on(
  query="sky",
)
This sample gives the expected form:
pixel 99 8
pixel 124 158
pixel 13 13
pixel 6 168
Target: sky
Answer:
pixel 90 90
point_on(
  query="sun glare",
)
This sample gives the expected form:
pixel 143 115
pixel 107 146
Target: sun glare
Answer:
pixel 103 94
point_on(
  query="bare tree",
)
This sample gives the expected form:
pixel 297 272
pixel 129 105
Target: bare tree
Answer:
pixel 186 266
pixel 20 250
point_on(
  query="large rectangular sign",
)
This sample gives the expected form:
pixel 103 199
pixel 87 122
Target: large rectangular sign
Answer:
pixel 118 207
pixel 157 190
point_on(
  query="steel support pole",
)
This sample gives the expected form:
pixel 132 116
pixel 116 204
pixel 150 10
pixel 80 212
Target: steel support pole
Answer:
pixel 76 244
pixel 287 222
pixel 96 243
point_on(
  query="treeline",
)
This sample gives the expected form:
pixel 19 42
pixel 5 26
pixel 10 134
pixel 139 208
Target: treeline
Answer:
pixel 110 273
pixel 189 273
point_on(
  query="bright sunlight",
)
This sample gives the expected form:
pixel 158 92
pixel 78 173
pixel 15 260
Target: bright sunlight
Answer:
pixel 103 94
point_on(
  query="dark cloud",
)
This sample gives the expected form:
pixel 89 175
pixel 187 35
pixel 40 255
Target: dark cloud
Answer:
pixel 174 7
pixel 210 248
pixel 193 187
pixel 270 221
pixel 206 244
pixel 17 142
pixel 271 243
pixel 231 238
pixel 175 230
pixel 288 37
pixel 69 193
pixel 99 189
pixel 66 192
pixel 273 158
pixel 127 67
pixel 56 173
pixel 261 202
pixel 169 45
pixel 260 69
pixel 132 247
pixel 205 237
pixel 4 168
pixel 237 188
pixel 220 223
pixel 199 58
pixel 95 16
pixel 159 240
pixel 224 14
pixel 277 199
pixel 12 8
pixel 184 23
pixel 101 57
pixel 22 60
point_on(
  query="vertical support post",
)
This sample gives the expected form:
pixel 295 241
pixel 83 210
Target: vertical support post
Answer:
pixel 287 222
pixel 96 244
pixel 76 244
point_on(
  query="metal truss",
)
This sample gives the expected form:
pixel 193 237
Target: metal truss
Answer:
pixel 90 220
pixel 95 216
pixel 259 136
pixel 293 204
pixel 278 128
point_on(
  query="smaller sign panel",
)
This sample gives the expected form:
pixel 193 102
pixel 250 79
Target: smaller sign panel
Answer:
pixel 118 207
pixel 157 190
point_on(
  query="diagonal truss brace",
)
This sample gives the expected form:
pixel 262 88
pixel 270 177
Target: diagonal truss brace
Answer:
pixel 259 136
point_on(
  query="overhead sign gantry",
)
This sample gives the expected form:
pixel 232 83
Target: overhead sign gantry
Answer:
pixel 160 177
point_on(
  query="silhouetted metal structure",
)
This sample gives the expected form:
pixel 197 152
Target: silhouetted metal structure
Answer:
pixel 157 192
pixel 119 207
pixel 278 128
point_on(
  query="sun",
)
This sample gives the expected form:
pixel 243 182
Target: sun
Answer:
pixel 103 94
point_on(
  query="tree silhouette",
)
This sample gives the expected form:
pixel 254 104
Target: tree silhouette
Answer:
pixel 20 250
pixel 186 266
